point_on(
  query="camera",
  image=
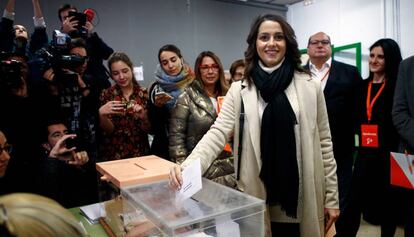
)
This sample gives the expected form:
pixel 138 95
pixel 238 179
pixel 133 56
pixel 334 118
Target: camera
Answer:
pixel 71 142
pixel 56 56
pixel 10 74
pixel 129 106
pixel 81 18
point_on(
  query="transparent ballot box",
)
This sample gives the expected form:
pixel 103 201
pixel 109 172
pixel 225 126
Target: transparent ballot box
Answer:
pixel 215 210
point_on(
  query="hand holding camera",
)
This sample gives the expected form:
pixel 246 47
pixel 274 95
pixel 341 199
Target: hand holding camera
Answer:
pixel 139 112
pixel 161 98
pixel 65 150
pixel 112 107
pixel 69 24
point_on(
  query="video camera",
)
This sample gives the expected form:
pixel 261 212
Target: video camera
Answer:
pixel 10 74
pixel 56 56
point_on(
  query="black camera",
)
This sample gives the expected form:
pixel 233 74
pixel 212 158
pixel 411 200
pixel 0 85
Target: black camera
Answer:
pixel 10 74
pixel 56 56
pixel 81 18
pixel 71 142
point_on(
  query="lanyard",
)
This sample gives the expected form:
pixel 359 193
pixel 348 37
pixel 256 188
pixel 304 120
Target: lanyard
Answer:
pixel 370 105
pixel 326 74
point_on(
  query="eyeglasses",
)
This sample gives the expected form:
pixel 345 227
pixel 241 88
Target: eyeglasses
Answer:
pixel 317 42
pixel 8 148
pixel 206 68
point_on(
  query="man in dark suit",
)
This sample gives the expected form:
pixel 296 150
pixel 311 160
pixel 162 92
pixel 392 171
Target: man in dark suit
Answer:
pixel 338 81
pixel 403 118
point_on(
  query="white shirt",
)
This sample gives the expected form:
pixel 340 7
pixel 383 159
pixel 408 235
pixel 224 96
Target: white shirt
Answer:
pixel 322 74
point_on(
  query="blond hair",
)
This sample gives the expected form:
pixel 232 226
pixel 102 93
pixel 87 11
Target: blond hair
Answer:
pixel 31 215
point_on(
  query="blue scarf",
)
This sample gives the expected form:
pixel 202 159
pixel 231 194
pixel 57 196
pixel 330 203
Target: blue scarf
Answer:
pixel 173 85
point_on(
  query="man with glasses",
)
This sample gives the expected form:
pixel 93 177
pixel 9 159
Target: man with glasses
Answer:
pixel 338 81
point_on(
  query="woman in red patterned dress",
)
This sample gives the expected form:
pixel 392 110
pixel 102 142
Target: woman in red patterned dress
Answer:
pixel 123 113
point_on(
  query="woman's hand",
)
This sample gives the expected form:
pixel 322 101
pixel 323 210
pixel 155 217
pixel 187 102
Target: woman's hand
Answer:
pixel 140 112
pixel 176 180
pixel 112 107
pixel 331 215
pixel 161 99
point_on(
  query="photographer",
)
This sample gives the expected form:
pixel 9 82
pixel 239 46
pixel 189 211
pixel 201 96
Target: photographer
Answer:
pixel 20 118
pixel 63 173
pixel 70 89
pixel 15 38
pixel 72 96
pixel 97 49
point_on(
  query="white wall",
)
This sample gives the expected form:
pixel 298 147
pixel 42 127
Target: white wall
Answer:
pixel 351 21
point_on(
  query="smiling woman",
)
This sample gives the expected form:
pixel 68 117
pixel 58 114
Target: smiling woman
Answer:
pixel 195 112
pixel 285 155
pixel 123 113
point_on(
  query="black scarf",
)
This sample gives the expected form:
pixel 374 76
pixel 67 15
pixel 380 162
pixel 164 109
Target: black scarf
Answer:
pixel 279 171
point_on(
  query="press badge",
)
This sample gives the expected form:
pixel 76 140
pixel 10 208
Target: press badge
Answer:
pixel 369 135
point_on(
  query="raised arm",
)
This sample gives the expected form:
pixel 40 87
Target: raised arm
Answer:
pixel 39 37
pixel 37 11
pixel 10 6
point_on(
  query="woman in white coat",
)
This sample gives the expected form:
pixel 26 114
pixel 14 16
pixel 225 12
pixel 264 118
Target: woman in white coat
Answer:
pixel 286 156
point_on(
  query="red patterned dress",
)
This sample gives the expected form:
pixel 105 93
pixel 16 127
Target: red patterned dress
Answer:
pixel 128 139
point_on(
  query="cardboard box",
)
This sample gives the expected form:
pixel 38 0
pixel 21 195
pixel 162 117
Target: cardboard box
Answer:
pixel 133 171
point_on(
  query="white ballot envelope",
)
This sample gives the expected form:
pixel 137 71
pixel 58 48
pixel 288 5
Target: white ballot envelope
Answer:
pixel 191 181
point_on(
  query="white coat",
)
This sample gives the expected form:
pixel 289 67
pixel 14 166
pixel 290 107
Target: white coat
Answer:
pixel 313 141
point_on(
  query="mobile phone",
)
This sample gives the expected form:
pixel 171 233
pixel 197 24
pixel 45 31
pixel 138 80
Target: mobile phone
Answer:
pixel 80 17
pixel 71 142
pixel 163 93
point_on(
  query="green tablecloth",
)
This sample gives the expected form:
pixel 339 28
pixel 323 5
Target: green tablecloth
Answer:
pixel 95 230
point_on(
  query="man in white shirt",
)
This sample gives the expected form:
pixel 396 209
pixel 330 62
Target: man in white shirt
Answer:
pixel 338 81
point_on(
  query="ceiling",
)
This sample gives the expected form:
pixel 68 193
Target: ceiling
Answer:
pixel 278 2
pixel 280 5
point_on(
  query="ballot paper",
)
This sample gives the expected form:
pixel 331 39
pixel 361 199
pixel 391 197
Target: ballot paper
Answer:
pixel 191 181
pixel 93 212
